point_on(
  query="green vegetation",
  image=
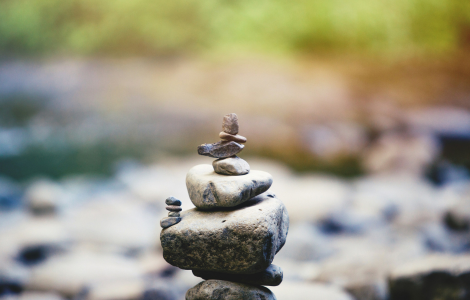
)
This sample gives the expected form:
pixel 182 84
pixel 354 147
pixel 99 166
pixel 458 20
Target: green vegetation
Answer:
pixel 156 27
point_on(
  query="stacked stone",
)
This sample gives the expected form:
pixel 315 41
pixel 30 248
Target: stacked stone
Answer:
pixel 231 237
pixel 174 208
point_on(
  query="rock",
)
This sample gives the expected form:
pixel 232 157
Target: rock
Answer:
pixel 432 277
pixel 208 190
pixel 173 214
pixel 173 208
pixel 230 124
pixel 220 149
pixel 170 221
pixel 43 197
pixel 271 276
pixel 173 201
pixel 309 291
pixel 226 290
pixel 229 137
pixel 241 241
pixel 231 166
pixel 68 274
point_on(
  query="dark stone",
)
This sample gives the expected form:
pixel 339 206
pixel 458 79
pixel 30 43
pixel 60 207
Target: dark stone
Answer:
pixel 173 208
pixel 170 221
pixel 220 149
pixel 173 201
pixel 230 137
pixel 35 254
pixel 226 290
pixel 230 124
pixel 434 277
pixel 243 240
pixel 271 276
pixel 173 214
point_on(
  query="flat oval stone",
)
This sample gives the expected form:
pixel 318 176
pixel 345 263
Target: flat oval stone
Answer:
pixel 231 166
pixel 237 241
pixel 230 137
pixel 271 276
pixel 230 124
pixel 226 290
pixel 173 214
pixel 169 221
pixel 172 201
pixel 209 190
pixel 220 149
pixel 173 208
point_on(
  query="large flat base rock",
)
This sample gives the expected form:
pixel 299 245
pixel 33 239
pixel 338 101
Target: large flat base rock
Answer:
pixel 240 241
pixel 209 190
pixel 227 290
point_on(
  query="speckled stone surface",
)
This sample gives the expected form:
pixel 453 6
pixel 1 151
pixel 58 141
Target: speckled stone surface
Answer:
pixel 272 276
pixel 231 166
pixel 240 241
pixel 226 290
pixel 230 124
pixel 220 149
pixel 209 190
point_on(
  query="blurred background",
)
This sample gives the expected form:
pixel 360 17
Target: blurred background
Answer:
pixel 360 110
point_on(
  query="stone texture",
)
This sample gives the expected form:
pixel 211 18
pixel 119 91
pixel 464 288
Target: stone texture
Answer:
pixel 230 124
pixel 173 214
pixel 169 221
pixel 173 208
pixel 241 241
pixel 209 190
pixel 226 290
pixel 173 201
pixel 230 137
pixel 220 149
pixel 271 276
pixel 231 166
pixel 432 277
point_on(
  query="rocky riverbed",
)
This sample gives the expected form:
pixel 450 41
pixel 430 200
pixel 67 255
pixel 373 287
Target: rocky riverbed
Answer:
pixel 389 236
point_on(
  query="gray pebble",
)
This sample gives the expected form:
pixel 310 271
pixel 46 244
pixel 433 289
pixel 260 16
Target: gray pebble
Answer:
pixel 230 124
pixel 231 166
pixel 170 221
pixel 173 201
pixel 173 214
pixel 220 149
pixel 173 208
pixel 230 137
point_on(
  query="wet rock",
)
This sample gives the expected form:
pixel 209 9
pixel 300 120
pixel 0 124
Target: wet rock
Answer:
pixel 271 276
pixel 230 124
pixel 208 190
pixel 226 290
pixel 170 221
pixel 241 241
pixel 173 201
pixel 432 277
pixel 231 166
pixel 229 137
pixel 220 149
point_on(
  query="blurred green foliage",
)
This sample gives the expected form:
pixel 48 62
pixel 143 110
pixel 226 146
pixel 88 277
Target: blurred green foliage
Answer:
pixel 156 27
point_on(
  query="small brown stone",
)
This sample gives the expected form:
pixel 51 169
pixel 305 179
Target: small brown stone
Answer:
pixel 230 137
pixel 173 208
pixel 230 124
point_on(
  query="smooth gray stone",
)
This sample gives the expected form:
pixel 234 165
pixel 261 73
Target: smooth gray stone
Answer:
pixel 173 214
pixel 220 149
pixel 230 124
pixel 172 201
pixel 271 276
pixel 226 290
pixel 240 241
pixel 231 166
pixel 169 221
pixel 173 208
pixel 209 190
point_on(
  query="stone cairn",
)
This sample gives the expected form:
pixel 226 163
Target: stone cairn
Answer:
pixel 231 237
